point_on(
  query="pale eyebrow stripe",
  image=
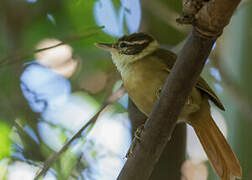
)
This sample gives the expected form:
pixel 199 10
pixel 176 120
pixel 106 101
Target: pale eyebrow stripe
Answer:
pixel 136 42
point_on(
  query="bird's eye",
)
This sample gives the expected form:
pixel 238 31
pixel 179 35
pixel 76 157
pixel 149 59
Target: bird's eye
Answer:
pixel 122 45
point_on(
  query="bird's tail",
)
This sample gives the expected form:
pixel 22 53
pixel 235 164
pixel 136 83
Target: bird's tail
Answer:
pixel 219 153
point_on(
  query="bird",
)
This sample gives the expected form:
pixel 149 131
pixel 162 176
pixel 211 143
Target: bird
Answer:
pixel 144 67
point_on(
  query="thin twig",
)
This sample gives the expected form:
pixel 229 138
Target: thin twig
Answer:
pixel 12 59
pixel 48 163
pixel 165 13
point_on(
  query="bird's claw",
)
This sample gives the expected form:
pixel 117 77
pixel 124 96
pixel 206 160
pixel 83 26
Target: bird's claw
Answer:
pixel 136 139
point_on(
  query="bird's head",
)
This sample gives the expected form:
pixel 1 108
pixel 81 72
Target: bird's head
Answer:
pixel 130 48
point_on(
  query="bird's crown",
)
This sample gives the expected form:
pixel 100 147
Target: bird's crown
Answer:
pixel 133 44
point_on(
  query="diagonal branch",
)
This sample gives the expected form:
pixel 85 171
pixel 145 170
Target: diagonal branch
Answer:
pixel 212 18
pixel 19 56
pixel 49 162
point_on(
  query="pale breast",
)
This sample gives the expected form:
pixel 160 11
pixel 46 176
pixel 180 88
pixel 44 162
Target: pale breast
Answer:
pixel 143 81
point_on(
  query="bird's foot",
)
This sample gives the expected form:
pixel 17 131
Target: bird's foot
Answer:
pixel 191 106
pixel 158 92
pixel 190 12
pixel 136 139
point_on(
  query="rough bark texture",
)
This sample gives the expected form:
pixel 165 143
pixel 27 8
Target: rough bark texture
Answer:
pixel 214 16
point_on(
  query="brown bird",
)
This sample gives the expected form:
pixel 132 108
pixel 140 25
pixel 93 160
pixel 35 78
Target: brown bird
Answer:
pixel 144 68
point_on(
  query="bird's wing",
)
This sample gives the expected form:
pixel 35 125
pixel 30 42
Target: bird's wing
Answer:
pixel 168 57
pixel 203 86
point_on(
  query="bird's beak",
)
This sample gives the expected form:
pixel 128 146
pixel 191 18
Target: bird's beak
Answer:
pixel 104 46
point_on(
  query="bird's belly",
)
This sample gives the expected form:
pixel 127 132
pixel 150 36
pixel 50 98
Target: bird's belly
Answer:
pixel 143 101
pixel 144 93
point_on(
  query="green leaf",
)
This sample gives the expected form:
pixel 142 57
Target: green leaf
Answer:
pixel 5 142
pixel 4 168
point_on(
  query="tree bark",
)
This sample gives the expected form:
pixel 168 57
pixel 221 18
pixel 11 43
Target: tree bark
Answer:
pixel 169 164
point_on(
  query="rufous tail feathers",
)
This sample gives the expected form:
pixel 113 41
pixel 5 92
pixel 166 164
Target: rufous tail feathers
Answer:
pixel 219 153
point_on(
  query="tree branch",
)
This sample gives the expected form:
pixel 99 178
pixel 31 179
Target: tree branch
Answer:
pixel 24 54
pixel 160 125
pixel 172 157
pixel 169 161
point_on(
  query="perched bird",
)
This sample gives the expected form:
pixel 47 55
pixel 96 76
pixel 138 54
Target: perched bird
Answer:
pixel 144 68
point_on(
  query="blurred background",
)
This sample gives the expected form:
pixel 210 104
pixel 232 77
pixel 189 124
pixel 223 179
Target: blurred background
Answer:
pixel 48 95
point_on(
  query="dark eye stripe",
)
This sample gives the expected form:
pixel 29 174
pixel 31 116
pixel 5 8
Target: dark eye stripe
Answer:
pixel 127 44
pixel 134 48
pixel 122 45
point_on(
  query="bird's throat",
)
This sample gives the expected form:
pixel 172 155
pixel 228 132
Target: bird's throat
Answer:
pixel 122 61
